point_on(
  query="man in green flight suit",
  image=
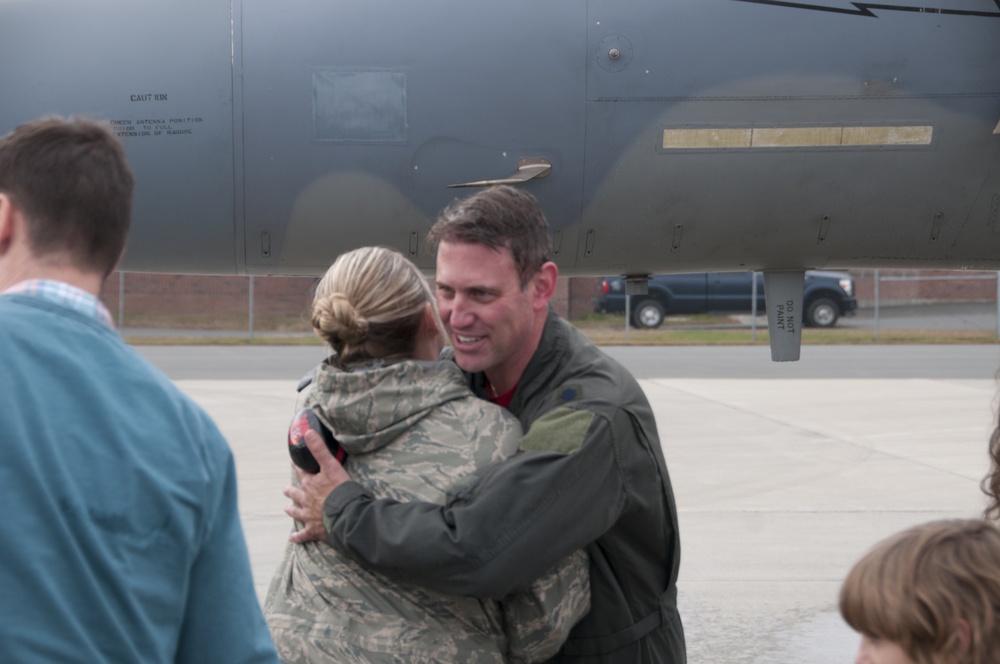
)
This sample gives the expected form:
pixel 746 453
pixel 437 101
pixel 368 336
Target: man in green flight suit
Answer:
pixel 591 474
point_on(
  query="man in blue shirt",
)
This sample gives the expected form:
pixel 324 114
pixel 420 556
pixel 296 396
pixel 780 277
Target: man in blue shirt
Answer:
pixel 122 540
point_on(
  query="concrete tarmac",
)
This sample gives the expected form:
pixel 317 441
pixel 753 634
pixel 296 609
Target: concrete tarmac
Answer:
pixel 784 474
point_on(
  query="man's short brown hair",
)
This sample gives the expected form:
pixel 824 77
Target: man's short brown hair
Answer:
pixel 499 217
pixel 71 182
pixel 917 586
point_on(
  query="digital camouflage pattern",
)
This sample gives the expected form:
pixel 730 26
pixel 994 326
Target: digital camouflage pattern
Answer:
pixel 412 429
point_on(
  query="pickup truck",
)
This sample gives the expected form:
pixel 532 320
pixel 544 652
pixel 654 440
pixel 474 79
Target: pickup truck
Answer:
pixel 827 296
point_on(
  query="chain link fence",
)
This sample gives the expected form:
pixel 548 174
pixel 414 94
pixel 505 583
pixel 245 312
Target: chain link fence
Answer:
pixel 886 299
pixel 190 306
pixel 172 305
pixel 961 300
pixel 165 306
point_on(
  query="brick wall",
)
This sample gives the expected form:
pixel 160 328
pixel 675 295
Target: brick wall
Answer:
pixel 915 286
pixel 209 302
pixel 190 301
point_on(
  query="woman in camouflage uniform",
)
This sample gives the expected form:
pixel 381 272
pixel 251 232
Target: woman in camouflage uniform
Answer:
pixel 411 428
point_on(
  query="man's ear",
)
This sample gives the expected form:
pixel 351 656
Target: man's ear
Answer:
pixel 544 284
pixel 6 222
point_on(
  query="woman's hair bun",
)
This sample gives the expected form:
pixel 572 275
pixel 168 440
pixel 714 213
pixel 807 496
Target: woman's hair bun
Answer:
pixel 336 319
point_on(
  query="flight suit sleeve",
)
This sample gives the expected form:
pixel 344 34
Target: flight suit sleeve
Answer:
pixel 223 621
pixel 499 530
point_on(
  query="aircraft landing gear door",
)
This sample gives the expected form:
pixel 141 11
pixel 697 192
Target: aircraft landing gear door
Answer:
pixel 360 116
pixel 783 294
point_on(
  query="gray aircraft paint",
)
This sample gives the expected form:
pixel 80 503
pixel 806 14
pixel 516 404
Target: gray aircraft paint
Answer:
pixel 269 137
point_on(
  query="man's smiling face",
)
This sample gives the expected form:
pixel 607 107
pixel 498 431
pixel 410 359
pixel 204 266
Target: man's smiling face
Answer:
pixel 490 319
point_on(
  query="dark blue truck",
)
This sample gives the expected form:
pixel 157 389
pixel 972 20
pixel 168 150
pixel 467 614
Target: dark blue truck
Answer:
pixel 827 296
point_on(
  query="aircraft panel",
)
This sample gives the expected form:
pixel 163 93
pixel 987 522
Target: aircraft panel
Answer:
pixel 162 74
pixel 357 117
pixel 745 165
pixel 687 135
pixel 772 50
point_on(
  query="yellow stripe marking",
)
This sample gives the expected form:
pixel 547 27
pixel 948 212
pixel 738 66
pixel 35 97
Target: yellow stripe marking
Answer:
pixel 795 137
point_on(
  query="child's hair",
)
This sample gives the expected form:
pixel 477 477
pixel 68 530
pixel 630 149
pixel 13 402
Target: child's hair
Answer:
pixel 917 587
pixel 369 305
pixel 991 483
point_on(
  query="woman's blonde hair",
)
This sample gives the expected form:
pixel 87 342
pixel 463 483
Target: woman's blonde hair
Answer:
pixel 916 587
pixel 369 305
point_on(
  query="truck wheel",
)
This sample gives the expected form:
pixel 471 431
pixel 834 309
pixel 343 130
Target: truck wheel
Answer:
pixel 822 312
pixel 648 313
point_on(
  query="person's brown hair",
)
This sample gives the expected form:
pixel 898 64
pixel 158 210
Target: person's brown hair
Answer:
pixel 916 587
pixel 73 186
pixel 369 305
pixel 499 217
pixel 991 483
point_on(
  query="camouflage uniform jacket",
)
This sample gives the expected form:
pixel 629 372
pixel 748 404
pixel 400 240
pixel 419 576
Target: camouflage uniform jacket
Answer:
pixel 411 429
pixel 592 474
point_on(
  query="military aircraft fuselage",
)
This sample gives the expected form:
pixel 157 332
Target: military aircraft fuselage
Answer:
pixel 659 135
